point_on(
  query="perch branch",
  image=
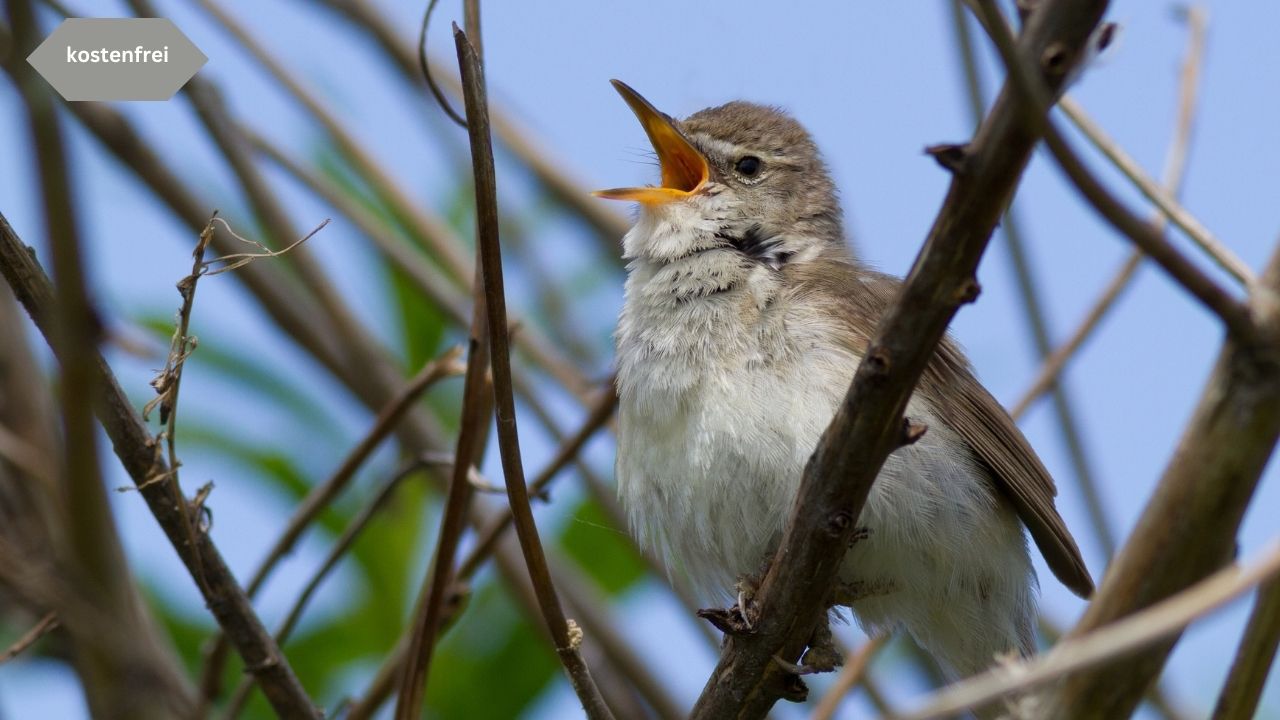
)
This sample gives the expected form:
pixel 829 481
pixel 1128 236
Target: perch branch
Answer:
pixel 868 424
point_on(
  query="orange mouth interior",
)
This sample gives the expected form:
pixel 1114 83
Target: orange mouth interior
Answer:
pixel 684 169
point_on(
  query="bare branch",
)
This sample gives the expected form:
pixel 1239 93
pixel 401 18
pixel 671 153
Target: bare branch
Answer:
pixel 135 447
pixel 1240 694
pixel 44 626
pixel 1106 644
pixel 1158 193
pixel 508 441
pixel 794 593
pixel 1232 312
pixel 855 669
pixel 322 495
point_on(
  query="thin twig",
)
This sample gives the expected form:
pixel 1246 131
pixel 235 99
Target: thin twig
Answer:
pixel 1243 688
pixel 850 676
pixel 794 594
pixel 169 380
pixel 486 543
pixel 322 495
pixel 340 548
pixel 566 642
pixel 436 92
pixel 1165 201
pixel 1108 643
pixel 135 447
pixel 46 625
pixel 1174 172
pixel 1233 313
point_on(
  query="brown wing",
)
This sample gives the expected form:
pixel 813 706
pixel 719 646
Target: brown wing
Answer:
pixel 969 410
pixel 861 297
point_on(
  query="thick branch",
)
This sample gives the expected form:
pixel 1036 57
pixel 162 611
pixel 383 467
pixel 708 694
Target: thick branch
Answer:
pixel 1189 526
pixel 868 425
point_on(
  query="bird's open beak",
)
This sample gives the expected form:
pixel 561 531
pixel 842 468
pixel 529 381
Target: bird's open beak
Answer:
pixel 684 169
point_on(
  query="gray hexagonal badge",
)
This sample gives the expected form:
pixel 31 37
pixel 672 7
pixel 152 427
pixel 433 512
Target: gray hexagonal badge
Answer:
pixel 117 59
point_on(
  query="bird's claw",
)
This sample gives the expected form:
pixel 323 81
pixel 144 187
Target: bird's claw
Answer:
pixel 740 618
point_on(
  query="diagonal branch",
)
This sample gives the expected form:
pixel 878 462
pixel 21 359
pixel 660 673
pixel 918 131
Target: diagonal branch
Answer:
pixel 1107 644
pixel 869 423
pixel 322 495
pixel 136 449
pixel 1232 312
pixel 1158 193
pixel 566 643
pixel 1033 308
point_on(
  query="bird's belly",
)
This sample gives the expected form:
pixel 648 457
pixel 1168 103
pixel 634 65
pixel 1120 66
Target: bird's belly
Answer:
pixel 709 465
pixel 708 473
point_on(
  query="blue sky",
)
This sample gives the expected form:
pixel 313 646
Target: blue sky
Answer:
pixel 875 82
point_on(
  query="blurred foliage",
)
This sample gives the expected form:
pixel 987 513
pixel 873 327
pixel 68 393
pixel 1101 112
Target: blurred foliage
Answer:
pixel 335 653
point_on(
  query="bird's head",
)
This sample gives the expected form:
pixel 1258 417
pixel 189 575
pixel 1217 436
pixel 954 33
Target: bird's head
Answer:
pixel 738 170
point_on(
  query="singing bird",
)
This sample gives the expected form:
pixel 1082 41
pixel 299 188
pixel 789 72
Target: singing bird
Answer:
pixel 744 319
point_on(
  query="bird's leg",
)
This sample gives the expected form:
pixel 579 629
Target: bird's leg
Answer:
pixel 821 656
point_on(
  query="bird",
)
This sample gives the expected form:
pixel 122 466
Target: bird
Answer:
pixel 744 318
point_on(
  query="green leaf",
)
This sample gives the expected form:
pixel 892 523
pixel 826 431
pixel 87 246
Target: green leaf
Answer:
pixel 605 552
pixel 492 663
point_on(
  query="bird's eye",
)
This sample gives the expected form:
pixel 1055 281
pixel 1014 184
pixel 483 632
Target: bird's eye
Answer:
pixel 748 166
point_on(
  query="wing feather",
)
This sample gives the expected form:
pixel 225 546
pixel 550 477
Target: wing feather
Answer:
pixel 861 296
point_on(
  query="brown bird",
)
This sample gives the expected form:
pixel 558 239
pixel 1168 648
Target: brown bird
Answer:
pixel 744 320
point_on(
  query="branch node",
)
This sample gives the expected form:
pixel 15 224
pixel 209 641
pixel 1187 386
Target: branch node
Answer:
pixel 838 522
pixel 911 432
pixel 575 634
pixel 878 360
pixel 729 621
pixel 1057 59
pixel 953 157
pixel 968 292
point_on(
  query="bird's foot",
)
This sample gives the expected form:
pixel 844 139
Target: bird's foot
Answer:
pixel 740 618
pixel 859 534
pixel 822 655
